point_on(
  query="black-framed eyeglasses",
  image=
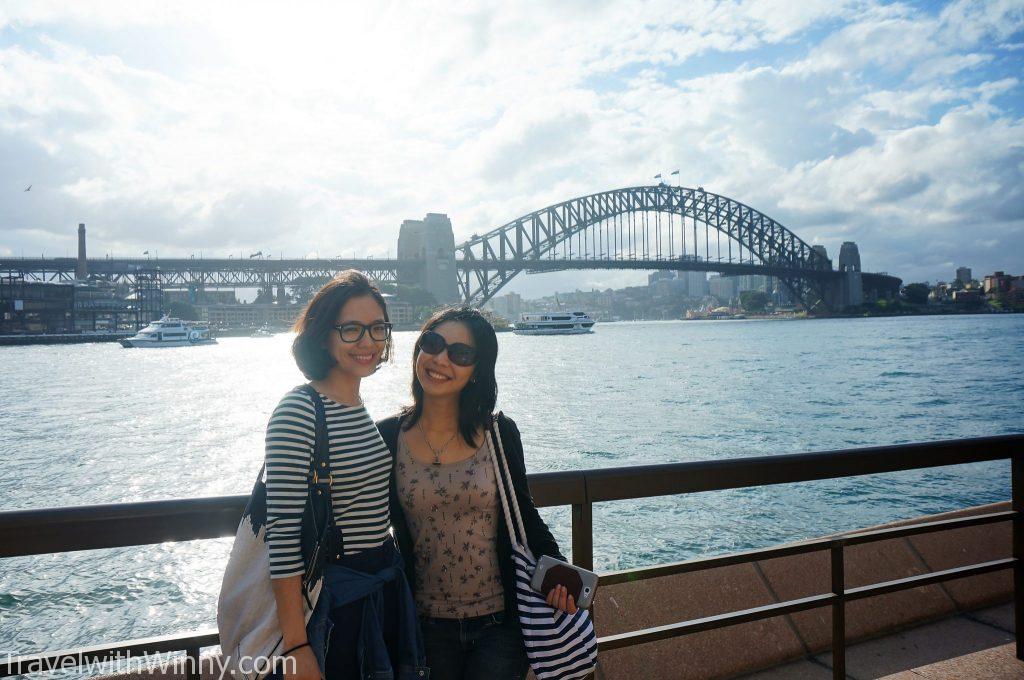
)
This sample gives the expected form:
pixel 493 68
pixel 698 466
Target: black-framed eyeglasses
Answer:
pixel 353 331
pixel 459 353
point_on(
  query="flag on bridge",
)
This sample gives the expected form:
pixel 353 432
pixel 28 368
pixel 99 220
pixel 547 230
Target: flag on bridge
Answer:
pixel 675 172
pixel 658 176
pixel 145 252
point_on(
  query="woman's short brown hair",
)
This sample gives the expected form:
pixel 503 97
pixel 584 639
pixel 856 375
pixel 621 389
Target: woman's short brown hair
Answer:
pixel 317 320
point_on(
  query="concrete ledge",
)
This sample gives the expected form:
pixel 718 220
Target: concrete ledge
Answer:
pixel 748 647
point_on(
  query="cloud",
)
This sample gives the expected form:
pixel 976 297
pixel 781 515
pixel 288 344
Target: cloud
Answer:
pixel 322 128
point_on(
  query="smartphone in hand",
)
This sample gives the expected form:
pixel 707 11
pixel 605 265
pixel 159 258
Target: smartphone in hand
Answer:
pixel 579 582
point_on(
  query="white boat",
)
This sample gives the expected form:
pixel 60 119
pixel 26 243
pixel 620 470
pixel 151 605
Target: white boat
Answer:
pixel 170 332
pixel 554 323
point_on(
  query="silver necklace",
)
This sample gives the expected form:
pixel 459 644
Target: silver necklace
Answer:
pixel 437 454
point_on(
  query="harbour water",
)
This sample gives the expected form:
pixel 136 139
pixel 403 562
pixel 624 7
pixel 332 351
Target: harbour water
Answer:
pixel 86 424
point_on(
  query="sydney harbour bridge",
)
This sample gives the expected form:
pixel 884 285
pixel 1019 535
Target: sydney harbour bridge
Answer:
pixel 659 227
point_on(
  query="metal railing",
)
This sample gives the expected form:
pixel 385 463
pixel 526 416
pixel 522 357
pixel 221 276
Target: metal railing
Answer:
pixel 33 532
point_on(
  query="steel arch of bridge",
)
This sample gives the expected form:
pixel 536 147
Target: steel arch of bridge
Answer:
pixel 529 242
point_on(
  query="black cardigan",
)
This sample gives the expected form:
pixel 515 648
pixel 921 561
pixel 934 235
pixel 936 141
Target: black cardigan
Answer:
pixel 537 534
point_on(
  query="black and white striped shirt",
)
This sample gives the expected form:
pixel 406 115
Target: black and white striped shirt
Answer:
pixel 359 462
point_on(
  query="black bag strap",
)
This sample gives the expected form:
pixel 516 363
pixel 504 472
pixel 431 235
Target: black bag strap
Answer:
pixel 319 474
pixel 320 509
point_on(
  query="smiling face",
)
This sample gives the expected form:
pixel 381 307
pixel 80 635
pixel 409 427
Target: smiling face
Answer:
pixel 357 358
pixel 436 373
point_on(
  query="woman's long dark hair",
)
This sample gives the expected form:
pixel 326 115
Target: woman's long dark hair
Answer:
pixel 477 398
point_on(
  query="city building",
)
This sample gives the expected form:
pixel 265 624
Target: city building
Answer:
pixel 999 282
pixel 963 275
pixel 753 282
pixel 670 287
pixel 722 288
pixel 696 284
pixel 509 305
pixel 1005 289
pixel 660 275
pixel 823 252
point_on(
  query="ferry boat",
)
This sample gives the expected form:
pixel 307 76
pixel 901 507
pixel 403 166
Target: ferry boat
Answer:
pixel 554 323
pixel 170 332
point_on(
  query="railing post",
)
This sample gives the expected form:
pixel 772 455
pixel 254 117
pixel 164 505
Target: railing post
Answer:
pixel 583 545
pixel 583 535
pixel 838 613
pixel 192 670
pixel 1017 499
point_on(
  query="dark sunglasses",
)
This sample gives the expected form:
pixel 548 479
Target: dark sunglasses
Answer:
pixel 459 353
pixel 353 331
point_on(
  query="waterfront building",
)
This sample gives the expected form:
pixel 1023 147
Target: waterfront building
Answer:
pixel 37 307
pixel 256 314
pixel 399 312
pixel 201 297
pixel 31 307
pixel 101 306
pixel 963 275
pixel 972 296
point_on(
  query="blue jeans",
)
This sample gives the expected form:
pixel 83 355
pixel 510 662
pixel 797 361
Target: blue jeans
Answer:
pixel 488 647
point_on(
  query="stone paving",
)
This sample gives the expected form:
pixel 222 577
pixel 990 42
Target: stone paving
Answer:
pixel 973 646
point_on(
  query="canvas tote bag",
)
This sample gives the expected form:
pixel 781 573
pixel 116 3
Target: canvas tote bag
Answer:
pixel 250 635
pixel 559 645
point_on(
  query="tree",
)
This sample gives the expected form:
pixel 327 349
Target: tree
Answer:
pixel 753 300
pixel 916 293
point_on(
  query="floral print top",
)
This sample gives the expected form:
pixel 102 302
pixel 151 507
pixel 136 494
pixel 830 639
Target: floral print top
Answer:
pixel 452 512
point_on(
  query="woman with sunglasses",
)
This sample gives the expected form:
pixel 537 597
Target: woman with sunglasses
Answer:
pixel 445 507
pixel 342 337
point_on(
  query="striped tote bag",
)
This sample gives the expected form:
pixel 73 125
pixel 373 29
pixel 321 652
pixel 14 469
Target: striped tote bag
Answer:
pixel 560 646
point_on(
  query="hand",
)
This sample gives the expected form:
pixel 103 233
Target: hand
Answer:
pixel 560 599
pixel 301 665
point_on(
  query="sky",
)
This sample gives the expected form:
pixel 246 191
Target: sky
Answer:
pixel 316 128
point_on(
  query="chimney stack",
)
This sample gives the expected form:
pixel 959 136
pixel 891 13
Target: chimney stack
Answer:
pixel 81 270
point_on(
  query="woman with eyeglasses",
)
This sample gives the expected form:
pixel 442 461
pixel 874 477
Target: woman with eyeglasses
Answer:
pixel 361 621
pixel 445 507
